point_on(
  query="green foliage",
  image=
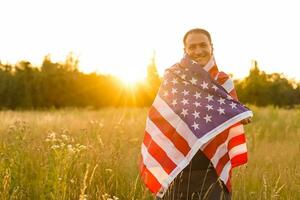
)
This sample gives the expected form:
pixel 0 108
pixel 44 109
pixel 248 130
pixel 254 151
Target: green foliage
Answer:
pixel 262 89
pixel 57 85
pixel 62 85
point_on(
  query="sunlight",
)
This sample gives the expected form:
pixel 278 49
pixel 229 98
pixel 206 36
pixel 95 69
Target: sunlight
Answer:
pixel 130 79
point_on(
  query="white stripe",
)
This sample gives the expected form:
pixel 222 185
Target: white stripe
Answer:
pixel 174 120
pixel 217 76
pixel 154 167
pixel 228 85
pixel 225 172
pixel 164 142
pixel 211 134
pixel 235 131
pixel 209 64
pixel 239 149
pixel 220 152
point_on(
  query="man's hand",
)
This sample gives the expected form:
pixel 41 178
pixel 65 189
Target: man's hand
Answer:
pixel 246 121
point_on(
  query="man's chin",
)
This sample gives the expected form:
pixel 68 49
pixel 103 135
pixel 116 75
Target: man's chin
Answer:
pixel 201 62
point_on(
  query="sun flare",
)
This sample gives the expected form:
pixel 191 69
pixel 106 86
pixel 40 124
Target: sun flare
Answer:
pixel 131 79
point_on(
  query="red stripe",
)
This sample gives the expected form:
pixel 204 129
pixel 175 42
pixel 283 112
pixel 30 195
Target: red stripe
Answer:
pixel 213 71
pixel 235 141
pixel 239 159
pixel 234 125
pixel 228 183
pixel 233 94
pixel 221 163
pixel 150 181
pixel 213 145
pixel 179 142
pixel 159 154
pixel 222 78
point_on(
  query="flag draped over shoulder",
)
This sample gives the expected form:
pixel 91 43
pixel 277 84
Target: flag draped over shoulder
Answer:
pixel 195 108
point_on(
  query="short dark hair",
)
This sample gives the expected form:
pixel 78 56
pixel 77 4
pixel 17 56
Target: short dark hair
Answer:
pixel 196 30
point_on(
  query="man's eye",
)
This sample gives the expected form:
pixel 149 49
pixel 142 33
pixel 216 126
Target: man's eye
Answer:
pixel 192 47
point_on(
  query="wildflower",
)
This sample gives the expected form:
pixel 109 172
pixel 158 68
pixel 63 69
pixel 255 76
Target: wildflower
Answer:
pixel 108 170
pixel 65 137
pixel 82 147
pixel 55 146
pixel 71 149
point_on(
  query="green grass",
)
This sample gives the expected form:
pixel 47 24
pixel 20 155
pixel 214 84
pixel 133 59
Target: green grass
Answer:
pixel 93 154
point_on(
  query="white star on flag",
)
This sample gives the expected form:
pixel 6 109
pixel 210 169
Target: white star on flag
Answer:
pixel 174 102
pixel 209 97
pixel 183 76
pixel 196 114
pixel 197 104
pixel 215 87
pixel 165 82
pixel 221 111
pixel 174 90
pixel 197 95
pixel 184 112
pixel 185 92
pixel 165 93
pixel 209 107
pixel 177 71
pixel 174 81
pixel 207 118
pixel 221 101
pixel 204 85
pixel 185 101
pixel 233 105
pixel 195 126
pixel 194 81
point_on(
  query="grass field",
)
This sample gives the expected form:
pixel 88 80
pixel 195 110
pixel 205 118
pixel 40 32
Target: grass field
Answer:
pixel 93 154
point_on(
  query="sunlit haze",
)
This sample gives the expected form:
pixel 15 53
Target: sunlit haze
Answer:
pixel 119 37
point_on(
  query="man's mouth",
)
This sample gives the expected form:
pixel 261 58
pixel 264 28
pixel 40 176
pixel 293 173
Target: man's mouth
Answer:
pixel 200 58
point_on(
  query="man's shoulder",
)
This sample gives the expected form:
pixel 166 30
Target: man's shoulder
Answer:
pixel 175 66
pixel 222 75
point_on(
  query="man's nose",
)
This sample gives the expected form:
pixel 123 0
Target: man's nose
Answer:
pixel 198 50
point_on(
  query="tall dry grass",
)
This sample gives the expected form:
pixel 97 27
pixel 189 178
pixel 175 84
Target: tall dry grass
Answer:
pixel 93 154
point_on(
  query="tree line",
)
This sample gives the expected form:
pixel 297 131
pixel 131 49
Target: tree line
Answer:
pixel 61 84
pixel 262 89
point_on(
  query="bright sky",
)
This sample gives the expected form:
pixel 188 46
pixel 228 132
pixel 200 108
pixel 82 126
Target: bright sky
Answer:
pixel 119 37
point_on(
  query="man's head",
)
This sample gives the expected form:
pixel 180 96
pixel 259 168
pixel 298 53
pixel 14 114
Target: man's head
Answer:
pixel 198 45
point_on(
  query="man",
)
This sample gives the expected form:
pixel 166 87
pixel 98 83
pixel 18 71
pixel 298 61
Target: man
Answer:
pixel 198 45
pixel 183 140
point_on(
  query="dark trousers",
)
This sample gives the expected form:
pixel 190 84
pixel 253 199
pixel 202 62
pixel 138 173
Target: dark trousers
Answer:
pixel 197 185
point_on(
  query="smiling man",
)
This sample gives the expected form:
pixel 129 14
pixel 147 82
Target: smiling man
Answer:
pixel 194 131
pixel 198 45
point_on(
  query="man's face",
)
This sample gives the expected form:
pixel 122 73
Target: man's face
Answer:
pixel 198 47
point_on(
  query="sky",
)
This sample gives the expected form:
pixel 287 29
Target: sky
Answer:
pixel 120 37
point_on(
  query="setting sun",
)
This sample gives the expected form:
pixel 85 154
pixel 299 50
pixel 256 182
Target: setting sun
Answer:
pixel 130 79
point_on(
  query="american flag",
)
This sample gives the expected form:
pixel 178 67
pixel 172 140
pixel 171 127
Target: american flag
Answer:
pixel 195 108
